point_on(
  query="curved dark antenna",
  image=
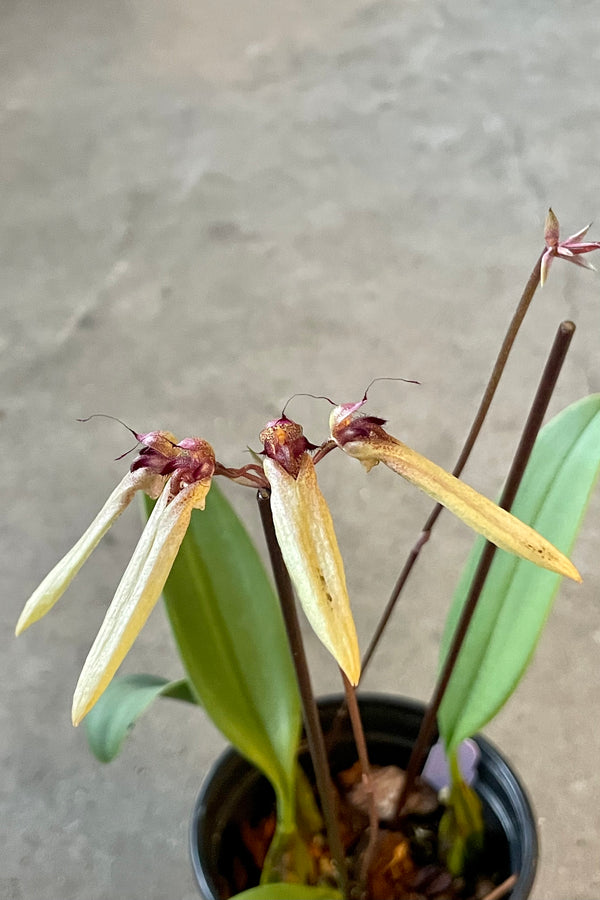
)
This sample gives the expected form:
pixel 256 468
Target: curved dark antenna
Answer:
pixel 134 433
pixel 388 378
pixel 114 418
pixel 302 394
pixel 127 452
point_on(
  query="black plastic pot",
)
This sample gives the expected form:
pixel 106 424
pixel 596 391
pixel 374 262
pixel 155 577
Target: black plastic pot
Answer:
pixel 234 791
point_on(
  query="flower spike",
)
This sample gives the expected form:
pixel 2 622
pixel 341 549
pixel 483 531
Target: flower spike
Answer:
pixel 364 438
pixel 308 543
pixel 569 249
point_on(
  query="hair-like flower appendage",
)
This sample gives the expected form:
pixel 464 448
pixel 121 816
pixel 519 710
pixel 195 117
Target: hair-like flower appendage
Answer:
pixel 364 438
pixel 308 543
pixel 570 249
pixel 179 475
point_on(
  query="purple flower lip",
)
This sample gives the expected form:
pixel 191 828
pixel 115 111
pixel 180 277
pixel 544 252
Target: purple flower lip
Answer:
pixel 189 461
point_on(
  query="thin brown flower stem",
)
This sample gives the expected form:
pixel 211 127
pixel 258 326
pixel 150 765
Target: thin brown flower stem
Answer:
pixel 312 724
pixel 323 450
pixel 484 405
pixel 363 757
pixel 533 424
pixel 502 889
pixel 250 476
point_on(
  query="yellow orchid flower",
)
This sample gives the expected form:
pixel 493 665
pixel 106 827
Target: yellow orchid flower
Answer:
pixel 308 543
pixel 364 438
pixel 179 475
pixel 138 591
pixel 58 580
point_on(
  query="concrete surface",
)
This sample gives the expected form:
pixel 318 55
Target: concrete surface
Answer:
pixel 206 207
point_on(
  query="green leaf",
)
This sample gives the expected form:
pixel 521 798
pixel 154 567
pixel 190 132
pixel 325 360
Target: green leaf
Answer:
pixel 123 702
pixel 517 596
pixel 283 891
pixel 461 830
pixel 229 629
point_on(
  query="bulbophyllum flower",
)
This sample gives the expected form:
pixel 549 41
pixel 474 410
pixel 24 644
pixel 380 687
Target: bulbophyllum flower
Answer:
pixel 179 475
pixel 364 438
pixel 569 249
pixel 308 543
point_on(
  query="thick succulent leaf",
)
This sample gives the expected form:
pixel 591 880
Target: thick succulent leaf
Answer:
pixel 229 629
pixel 123 702
pixel 517 596
pixel 288 892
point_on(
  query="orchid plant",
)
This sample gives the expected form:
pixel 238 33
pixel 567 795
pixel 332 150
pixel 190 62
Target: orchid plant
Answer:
pixel 231 629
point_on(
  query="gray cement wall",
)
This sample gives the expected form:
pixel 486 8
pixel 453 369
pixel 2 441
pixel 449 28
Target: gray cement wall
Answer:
pixel 204 208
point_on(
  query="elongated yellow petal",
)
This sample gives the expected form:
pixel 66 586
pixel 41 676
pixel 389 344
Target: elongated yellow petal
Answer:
pixel 58 580
pixel 481 514
pixel 137 593
pixel 310 550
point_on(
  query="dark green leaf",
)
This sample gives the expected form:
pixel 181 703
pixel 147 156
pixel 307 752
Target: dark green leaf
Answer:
pixel 517 596
pixel 120 706
pixel 229 629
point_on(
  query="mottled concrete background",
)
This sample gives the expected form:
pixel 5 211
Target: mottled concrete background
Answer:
pixel 205 207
